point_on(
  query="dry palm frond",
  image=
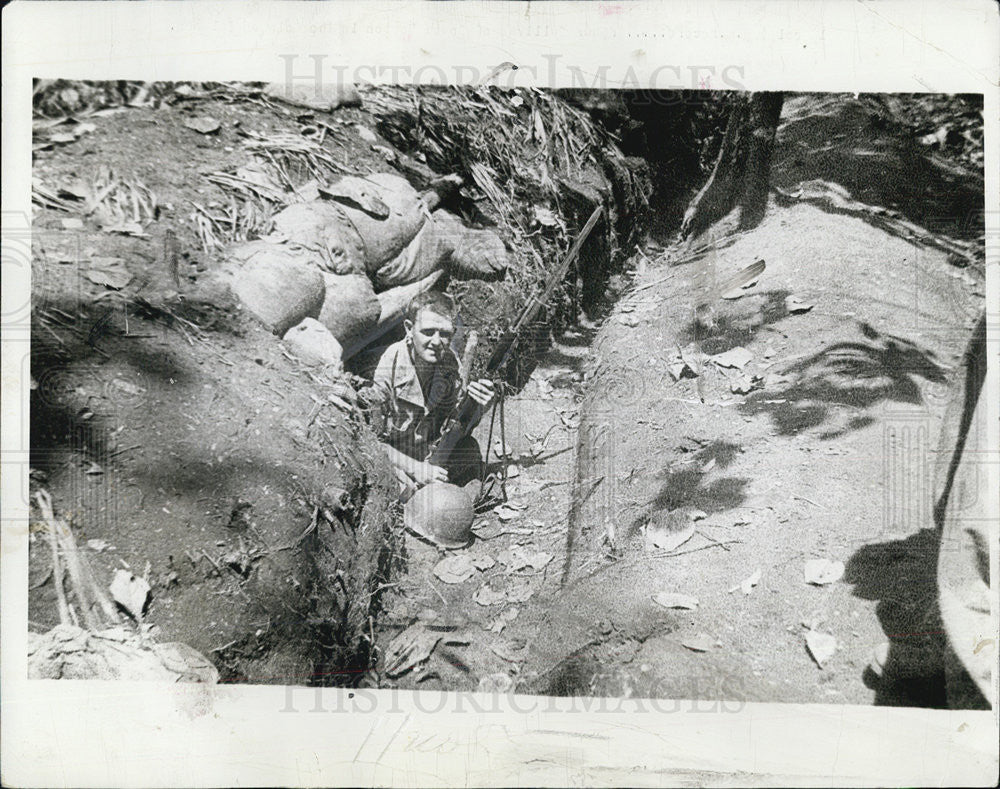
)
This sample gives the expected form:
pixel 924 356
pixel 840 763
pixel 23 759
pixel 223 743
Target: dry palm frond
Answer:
pixel 96 608
pixel 47 198
pixel 284 163
pixel 293 156
pixel 513 145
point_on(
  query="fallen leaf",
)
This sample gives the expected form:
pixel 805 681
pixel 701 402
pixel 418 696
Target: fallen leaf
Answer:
pixel 486 595
pixel 98 545
pixel 72 223
pixel 62 137
pixel 821 646
pixel 505 513
pixel 410 649
pixel 518 557
pixel 130 592
pixel 203 124
pixel 745 384
pixel 94 468
pixel 455 569
pixel 708 466
pixel 109 272
pixel 702 642
pixel 823 571
pixel 519 590
pixel 483 562
pixel 737 358
pixel 748 583
pixel 675 600
pixel 503 619
pixel 795 305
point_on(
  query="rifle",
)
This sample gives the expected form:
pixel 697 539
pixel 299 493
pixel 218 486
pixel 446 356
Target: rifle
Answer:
pixel 468 412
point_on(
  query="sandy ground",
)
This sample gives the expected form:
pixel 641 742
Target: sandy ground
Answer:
pixel 831 456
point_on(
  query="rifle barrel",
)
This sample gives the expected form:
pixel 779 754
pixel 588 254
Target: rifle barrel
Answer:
pixel 560 272
pixel 468 409
pixel 536 302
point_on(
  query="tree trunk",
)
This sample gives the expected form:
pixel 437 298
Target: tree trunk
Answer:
pixel 765 110
pixel 741 173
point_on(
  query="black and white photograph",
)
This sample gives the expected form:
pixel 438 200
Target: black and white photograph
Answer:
pixel 593 393
pixel 571 392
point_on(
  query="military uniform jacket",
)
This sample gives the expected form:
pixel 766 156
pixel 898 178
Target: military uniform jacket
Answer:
pixel 416 413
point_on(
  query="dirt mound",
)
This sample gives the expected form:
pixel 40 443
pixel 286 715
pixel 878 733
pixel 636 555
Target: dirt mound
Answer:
pixel 859 150
pixel 177 435
pixel 814 444
pixel 221 472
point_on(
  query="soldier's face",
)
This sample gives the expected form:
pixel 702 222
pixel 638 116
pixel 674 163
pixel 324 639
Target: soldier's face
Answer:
pixel 431 336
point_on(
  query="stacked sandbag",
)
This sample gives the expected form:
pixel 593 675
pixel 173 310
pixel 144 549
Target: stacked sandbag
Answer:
pixel 323 230
pixel 350 308
pixel 469 253
pixel 445 243
pixel 422 256
pixel 314 95
pixel 332 259
pixel 314 344
pixel 385 210
pixel 278 285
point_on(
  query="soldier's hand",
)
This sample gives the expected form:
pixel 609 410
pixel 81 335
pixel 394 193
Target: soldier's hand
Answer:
pixel 428 472
pixel 482 391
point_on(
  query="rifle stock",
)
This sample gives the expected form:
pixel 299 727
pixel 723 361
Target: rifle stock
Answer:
pixel 469 412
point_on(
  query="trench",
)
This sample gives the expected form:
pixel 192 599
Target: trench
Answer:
pixel 169 455
pixel 553 451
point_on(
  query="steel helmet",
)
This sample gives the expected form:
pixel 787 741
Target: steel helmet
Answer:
pixel 442 513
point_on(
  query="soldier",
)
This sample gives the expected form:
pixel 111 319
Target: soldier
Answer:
pixel 422 379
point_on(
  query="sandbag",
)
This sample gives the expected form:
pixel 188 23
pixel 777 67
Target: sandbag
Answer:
pixel 473 253
pixel 324 230
pixel 384 235
pixel 395 300
pixel 69 652
pixel 424 255
pixel 314 344
pixel 350 309
pixel 445 243
pixel 277 285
